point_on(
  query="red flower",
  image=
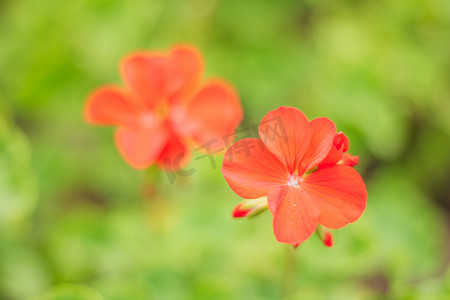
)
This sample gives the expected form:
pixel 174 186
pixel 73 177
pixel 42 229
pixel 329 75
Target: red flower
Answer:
pixel 164 106
pixel 285 165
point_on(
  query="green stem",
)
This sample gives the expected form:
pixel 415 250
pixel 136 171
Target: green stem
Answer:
pixel 288 287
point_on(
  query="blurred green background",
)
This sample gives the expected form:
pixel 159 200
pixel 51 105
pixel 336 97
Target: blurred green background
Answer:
pixel 77 223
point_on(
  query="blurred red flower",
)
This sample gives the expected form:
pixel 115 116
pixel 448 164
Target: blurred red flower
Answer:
pixel 299 165
pixel 163 106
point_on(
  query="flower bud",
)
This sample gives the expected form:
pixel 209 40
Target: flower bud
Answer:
pixel 339 147
pixel 239 211
pixel 250 208
pixel 327 239
pixel 324 235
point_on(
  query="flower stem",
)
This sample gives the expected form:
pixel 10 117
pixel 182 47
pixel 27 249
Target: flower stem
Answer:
pixel 289 283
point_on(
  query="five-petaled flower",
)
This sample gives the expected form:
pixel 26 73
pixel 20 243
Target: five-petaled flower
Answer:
pixel 304 172
pixel 163 106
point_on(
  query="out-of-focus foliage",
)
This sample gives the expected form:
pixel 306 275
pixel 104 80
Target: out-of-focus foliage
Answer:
pixel 77 223
pixel 70 292
pixel 18 184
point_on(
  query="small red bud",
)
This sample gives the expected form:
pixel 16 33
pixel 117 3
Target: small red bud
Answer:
pixel 324 235
pixel 250 208
pixel 239 212
pixel 327 239
pixel 341 142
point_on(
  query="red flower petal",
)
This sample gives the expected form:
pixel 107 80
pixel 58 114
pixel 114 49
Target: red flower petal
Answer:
pixel 214 113
pixel 296 215
pixel 175 155
pixel 286 133
pixel 250 169
pixel 349 160
pixel 141 146
pixel 187 71
pixel 109 105
pixel 146 73
pixel 339 193
pixel 322 135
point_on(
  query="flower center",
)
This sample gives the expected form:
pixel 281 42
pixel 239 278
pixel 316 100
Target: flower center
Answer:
pixel 151 117
pixel 163 110
pixel 294 180
pixel 147 119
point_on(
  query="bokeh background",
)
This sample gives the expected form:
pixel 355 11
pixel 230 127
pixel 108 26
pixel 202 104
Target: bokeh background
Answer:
pixel 77 223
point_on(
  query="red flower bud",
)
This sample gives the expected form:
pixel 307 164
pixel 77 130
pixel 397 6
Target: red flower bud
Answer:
pixel 340 146
pixel 325 236
pixel 250 208
pixel 240 212
pixel 328 239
